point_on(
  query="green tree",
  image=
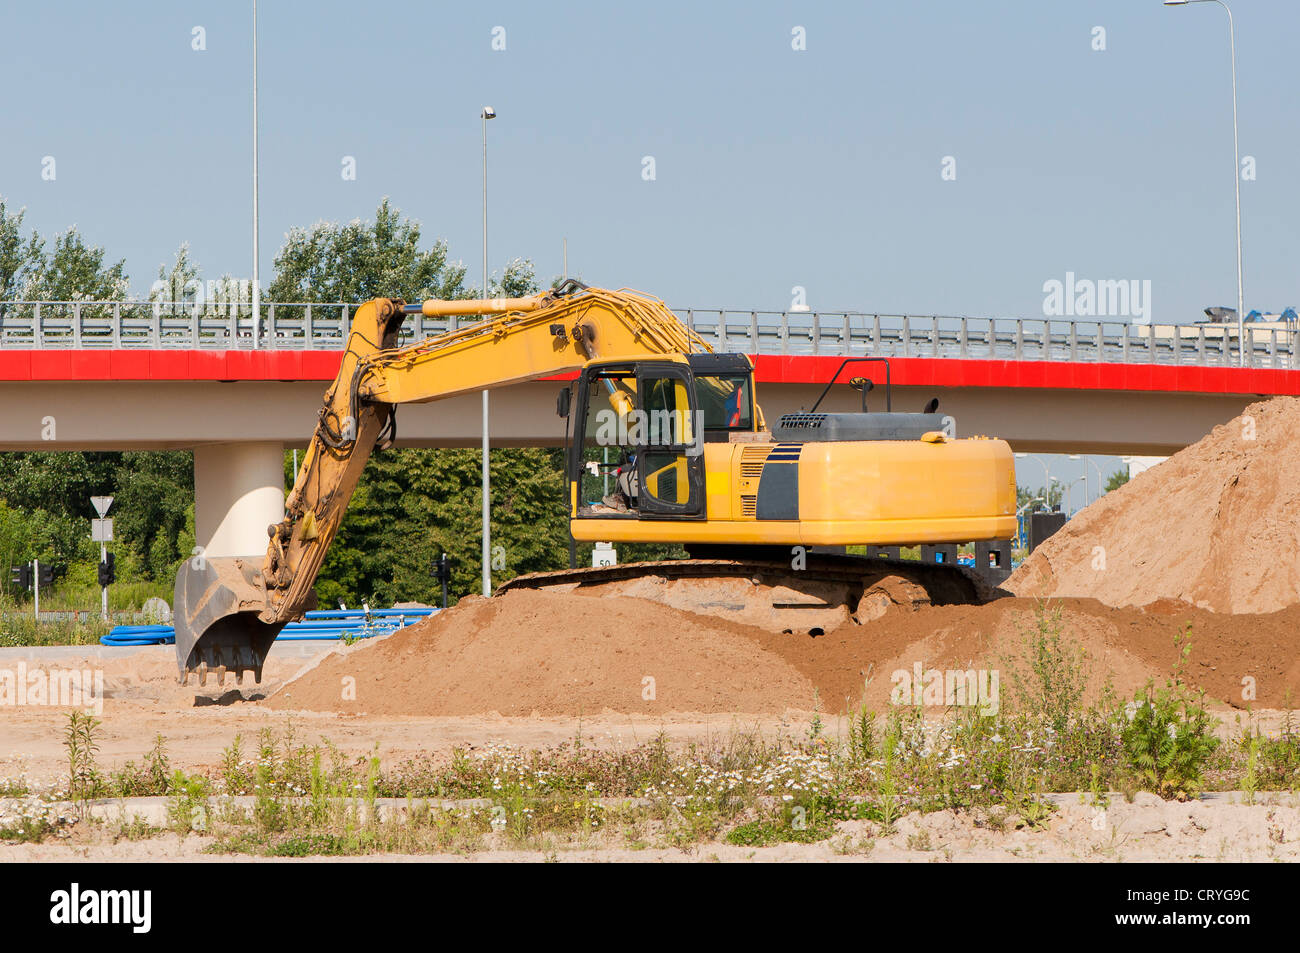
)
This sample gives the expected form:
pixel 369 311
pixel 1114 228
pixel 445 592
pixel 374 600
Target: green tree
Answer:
pixel 357 261
pixel 152 501
pixel 38 534
pixel 1024 494
pixel 178 282
pixel 414 504
pixel 410 504
pixel 75 271
pixel 1117 479
pixel 152 491
pixel 20 257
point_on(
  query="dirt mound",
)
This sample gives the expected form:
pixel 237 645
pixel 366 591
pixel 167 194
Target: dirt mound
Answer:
pixel 1216 525
pixel 552 653
pixel 547 653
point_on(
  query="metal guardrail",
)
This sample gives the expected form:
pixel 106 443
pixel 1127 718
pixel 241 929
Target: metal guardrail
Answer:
pixel 304 326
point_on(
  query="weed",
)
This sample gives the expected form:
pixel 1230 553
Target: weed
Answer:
pixel 1169 739
pixel 83 774
pixel 1057 674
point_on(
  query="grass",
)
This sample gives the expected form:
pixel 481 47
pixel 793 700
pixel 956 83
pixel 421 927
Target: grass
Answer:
pixel 18 627
pixel 123 596
pixel 744 789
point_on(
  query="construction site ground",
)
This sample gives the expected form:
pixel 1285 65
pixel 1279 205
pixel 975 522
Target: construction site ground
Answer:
pixel 699 661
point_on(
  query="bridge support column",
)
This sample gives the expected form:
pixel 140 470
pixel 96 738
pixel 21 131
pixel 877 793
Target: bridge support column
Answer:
pixel 238 492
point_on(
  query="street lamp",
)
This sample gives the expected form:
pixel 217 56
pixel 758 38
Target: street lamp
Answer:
pixel 1236 170
pixel 257 292
pixel 1047 476
pixel 488 113
pixel 1087 495
pixel 1069 494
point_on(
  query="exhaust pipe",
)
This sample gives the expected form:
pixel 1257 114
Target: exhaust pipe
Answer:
pixel 216 610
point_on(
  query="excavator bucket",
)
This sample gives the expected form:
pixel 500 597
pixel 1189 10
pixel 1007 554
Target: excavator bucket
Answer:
pixel 216 609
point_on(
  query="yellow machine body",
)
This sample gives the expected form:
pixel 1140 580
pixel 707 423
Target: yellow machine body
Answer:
pixel 869 492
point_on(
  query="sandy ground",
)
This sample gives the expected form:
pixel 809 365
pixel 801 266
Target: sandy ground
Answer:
pixel 145 701
pixel 1219 829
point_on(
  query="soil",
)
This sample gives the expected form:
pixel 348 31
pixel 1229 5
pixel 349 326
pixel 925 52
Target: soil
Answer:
pixel 1203 545
pixel 545 653
pixel 541 653
pixel 1220 829
pixel 1217 525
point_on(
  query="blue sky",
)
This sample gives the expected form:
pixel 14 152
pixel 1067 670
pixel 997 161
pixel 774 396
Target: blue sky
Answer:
pixel 774 167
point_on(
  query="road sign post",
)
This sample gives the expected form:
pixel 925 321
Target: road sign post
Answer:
pixel 101 530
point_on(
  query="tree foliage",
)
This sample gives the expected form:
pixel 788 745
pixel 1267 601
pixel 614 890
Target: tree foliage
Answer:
pixel 153 495
pixel 1050 497
pixel 414 504
pixel 410 504
pixel 75 271
pixel 20 257
pixel 357 261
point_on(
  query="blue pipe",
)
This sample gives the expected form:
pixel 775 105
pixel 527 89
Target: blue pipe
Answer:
pixel 318 625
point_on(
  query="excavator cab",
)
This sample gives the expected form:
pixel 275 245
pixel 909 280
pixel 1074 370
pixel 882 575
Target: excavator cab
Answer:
pixel 636 449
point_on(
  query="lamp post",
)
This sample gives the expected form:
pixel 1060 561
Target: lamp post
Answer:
pixel 1236 169
pixel 1047 476
pixel 257 291
pixel 1069 494
pixel 1087 494
pixel 488 113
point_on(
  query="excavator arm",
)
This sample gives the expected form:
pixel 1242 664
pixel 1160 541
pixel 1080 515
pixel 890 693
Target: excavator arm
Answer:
pixel 229 611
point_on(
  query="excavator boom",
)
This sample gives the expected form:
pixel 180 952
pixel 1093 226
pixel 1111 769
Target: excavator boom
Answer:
pixel 228 611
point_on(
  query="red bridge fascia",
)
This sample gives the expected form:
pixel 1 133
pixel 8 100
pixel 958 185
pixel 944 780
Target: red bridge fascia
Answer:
pixel 210 365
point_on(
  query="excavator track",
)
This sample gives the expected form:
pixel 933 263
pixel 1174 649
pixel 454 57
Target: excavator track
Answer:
pixel 827 591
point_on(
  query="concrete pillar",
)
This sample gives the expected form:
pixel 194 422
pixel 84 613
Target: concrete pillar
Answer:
pixel 238 492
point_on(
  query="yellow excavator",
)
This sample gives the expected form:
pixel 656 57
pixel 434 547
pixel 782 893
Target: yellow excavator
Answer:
pixel 694 462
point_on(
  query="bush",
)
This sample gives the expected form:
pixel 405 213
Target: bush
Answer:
pixel 1169 739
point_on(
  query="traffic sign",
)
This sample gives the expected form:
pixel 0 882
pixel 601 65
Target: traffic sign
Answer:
pixel 101 531
pixel 101 504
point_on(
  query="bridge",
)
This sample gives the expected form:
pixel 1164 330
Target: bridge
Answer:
pixel 151 375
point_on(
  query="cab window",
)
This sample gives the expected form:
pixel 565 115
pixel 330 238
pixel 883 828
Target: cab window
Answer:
pixel 726 400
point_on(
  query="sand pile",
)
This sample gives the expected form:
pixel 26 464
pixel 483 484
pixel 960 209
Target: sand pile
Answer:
pixel 1217 525
pixel 530 652
pixel 551 653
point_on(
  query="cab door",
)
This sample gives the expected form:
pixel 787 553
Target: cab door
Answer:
pixel 669 444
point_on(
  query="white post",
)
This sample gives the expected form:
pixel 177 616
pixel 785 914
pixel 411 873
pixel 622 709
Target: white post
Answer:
pixel 103 590
pixel 257 290
pixel 487 476
pixel 1236 184
pixel 1236 172
pixel 36 587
